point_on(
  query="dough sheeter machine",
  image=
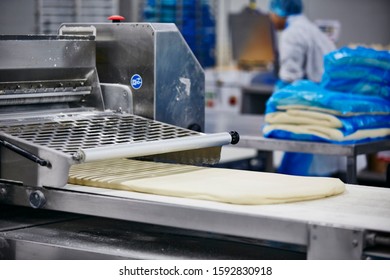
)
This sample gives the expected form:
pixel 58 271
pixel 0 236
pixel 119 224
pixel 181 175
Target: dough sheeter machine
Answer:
pixel 99 91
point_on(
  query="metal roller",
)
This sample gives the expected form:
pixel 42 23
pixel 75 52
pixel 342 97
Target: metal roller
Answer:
pixel 148 148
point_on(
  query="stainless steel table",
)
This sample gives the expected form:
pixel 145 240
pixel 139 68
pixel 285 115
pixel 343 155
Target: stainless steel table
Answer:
pixel 254 98
pixel 249 127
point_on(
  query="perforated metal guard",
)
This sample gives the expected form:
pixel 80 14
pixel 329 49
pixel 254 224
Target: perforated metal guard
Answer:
pixel 68 134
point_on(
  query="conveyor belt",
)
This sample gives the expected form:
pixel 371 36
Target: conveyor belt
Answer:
pixel 359 207
pixel 339 227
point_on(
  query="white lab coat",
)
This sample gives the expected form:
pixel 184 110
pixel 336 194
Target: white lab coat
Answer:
pixel 302 48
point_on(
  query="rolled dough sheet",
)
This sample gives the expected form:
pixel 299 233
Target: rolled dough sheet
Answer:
pixel 329 133
pixel 303 117
pixel 215 184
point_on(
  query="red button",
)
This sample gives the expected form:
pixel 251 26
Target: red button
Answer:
pixel 232 100
pixel 210 103
pixel 116 18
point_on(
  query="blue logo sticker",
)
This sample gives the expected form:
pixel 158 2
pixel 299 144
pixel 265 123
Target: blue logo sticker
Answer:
pixel 136 81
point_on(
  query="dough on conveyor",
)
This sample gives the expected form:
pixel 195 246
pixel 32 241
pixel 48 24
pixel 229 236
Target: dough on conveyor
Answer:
pixel 216 184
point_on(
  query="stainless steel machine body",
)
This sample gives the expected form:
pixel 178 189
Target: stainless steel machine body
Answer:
pixel 48 72
pixel 155 62
pixel 54 113
pixel 43 78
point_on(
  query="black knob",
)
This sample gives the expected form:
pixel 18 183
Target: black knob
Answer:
pixel 235 137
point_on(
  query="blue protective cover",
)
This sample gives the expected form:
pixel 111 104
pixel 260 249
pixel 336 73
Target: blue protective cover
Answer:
pixel 360 56
pixel 304 92
pixel 354 123
pixel 354 80
pixel 360 70
pixel 308 93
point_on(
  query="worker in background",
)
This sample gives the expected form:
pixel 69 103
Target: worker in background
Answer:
pixel 302 47
pixel 302 44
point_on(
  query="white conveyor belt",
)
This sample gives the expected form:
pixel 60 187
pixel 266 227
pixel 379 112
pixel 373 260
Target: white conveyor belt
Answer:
pixel 359 207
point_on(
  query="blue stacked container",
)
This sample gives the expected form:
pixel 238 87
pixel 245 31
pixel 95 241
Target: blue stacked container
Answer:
pixel 195 21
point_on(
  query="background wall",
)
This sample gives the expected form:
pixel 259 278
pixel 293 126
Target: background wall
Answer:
pixel 365 21
pixel 362 21
pixel 17 17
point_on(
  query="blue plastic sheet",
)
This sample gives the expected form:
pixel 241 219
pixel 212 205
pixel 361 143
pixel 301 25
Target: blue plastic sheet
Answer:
pixel 354 123
pixel 307 93
pixel 370 112
pixel 356 57
pixel 360 86
pixel 361 70
pixel 355 82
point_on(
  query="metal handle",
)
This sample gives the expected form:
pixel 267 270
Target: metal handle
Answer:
pixel 156 147
pixel 24 153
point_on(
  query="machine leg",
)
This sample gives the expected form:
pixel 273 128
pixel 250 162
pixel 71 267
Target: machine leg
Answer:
pixel 351 170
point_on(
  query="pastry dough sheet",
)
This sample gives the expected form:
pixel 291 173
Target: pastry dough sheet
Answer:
pixel 214 184
pixel 329 133
pixel 303 117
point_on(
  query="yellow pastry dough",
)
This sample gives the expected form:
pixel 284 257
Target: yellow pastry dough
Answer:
pixel 301 117
pixel 324 110
pixel 328 132
pixel 216 184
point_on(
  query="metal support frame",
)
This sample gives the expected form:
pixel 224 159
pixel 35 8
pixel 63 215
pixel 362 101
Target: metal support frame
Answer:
pixel 351 169
pixel 333 243
pixel 150 212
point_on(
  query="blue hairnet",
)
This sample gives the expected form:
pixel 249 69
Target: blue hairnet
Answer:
pixel 286 8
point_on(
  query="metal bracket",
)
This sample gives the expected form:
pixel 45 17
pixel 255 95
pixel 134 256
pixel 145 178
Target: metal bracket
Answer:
pixel 332 243
pixel 117 98
pixel 24 153
pixel 77 30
